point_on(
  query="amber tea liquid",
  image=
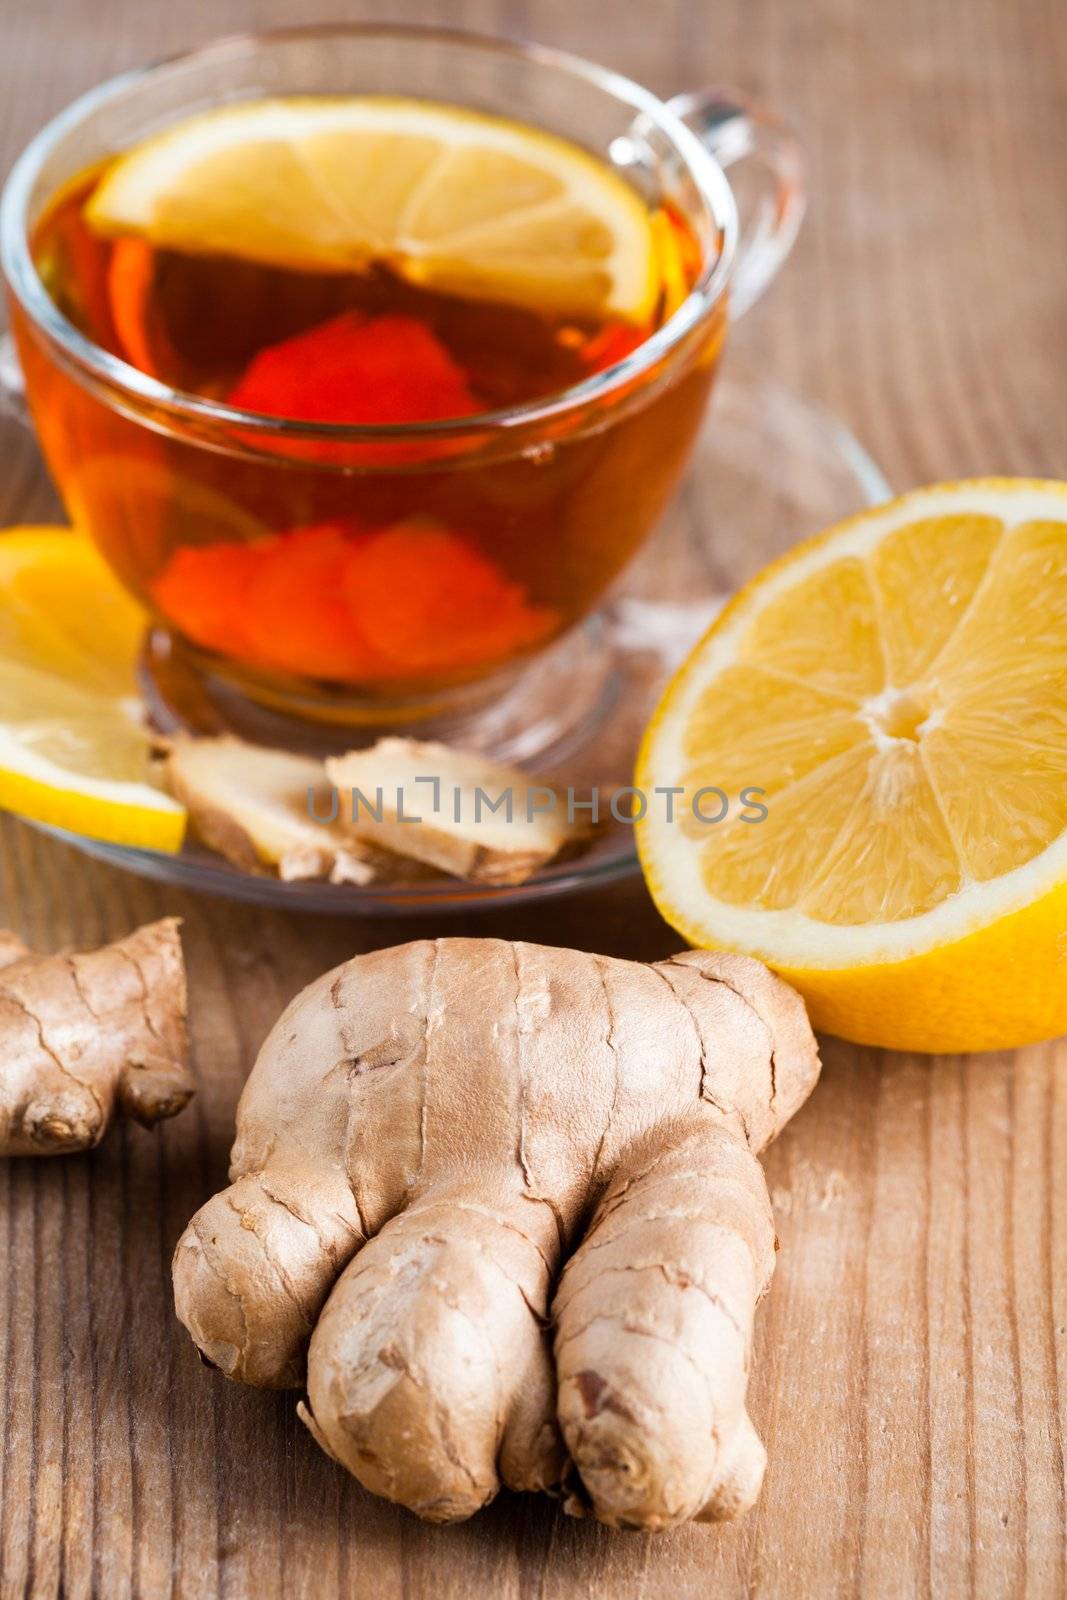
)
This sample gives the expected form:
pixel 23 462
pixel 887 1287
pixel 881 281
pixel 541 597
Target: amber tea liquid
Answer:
pixel 381 565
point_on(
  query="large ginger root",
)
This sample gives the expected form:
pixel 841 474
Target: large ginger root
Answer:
pixel 81 1035
pixel 428 1133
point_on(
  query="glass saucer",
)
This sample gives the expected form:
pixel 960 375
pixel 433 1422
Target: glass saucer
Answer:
pixel 770 469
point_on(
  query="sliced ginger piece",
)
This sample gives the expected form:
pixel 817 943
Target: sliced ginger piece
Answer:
pixel 86 1037
pixel 434 804
pixel 259 808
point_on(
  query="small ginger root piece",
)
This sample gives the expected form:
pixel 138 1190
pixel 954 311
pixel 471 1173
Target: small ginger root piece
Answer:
pixel 82 1036
pixel 429 1135
pixel 452 809
pixel 251 805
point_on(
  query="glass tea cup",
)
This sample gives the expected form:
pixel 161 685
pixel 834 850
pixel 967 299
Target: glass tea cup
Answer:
pixel 426 564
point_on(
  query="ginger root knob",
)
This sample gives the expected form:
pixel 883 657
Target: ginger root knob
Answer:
pixel 82 1036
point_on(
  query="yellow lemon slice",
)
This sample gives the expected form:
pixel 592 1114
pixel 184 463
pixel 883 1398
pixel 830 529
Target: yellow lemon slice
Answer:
pixel 73 749
pixel 897 688
pixel 466 203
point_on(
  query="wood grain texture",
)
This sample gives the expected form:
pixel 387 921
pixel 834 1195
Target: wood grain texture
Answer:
pixel 911 1363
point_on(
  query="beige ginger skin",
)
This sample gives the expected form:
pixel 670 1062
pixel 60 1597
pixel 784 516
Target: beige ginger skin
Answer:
pixel 86 1037
pixel 430 1134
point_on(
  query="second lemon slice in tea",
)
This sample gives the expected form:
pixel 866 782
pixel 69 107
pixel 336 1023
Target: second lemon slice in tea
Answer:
pixel 897 688
pixel 459 201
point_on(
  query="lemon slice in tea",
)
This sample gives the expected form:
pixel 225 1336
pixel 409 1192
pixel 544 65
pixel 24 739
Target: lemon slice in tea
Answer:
pixel 452 199
pixel 897 688
pixel 73 750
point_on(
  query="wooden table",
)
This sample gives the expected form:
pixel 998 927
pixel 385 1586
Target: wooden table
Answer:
pixel 911 1372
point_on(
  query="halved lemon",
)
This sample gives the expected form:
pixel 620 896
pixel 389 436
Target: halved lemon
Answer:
pixel 897 688
pixel 73 749
pixel 463 202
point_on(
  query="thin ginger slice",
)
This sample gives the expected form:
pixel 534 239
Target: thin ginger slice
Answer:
pixel 260 808
pixel 436 805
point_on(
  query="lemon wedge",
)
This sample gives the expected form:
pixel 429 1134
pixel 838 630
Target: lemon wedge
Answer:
pixel 897 688
pixel 453 199
pixel 73 749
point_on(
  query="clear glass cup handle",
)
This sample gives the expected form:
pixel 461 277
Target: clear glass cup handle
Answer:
pixel 740 134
